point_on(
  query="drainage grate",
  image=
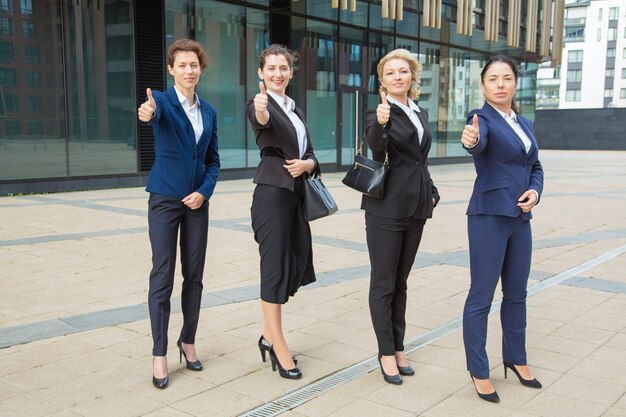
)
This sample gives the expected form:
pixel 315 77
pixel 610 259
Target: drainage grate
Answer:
pixel 319 387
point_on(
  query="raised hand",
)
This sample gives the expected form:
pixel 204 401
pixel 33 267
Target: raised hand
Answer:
pixel 147 108
pixel 383 110
pixel 260 100
pixel 471 133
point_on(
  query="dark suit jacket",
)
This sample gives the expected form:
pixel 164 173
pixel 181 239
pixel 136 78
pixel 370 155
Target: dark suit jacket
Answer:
pixel 504 170
pixel 279 133
pixel 181 166
pixel 409 190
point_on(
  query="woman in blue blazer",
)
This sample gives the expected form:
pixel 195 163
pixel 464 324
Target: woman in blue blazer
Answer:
pixel 280 229
pixel 508 185
pixel 180 184
pixel 398 128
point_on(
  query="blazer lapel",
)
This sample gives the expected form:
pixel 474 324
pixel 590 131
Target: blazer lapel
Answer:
pixel 285 121
pixel 207 127
pixel 504 125
pixel 527 129
pixel 427 138
pixel 190 139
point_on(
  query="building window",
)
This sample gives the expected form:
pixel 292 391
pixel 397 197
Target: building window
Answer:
pixel 572 95
pixel 32 54
pixel 574 75
pixel 624 32
pixel 599 35
pixel 574 34
pixel 609 72
pixel 611 34
pixel 33 78
pixel 575 56
pixel 610 53
pixel 26 6
pixel 6 51
pixel 7 76
pixel 613 13
pixel 5 6
pixel 624 53
pixel 6 28
pixel 33 103
pixel 623 72
pixel 622 93
pixel 599 15
pixel 29 29
pixel 608 92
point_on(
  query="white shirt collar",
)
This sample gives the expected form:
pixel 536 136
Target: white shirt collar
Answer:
pixel 283 99
pixel 182 99
pixel 511 116
pixel 411 106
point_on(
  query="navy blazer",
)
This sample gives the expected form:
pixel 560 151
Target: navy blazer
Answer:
pixel 409 190
pixel 504 169
pixel 181 166
pixel 279 132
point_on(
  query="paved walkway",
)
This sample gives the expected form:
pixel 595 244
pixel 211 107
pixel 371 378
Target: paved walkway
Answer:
pixel 75 336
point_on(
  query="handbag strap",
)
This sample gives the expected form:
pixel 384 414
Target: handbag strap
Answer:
pixel 359 144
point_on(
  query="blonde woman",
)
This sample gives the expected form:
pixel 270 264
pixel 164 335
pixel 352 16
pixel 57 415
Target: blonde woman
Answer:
pixel 394 223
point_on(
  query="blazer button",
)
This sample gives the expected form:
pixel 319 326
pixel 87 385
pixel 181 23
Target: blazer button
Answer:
pixel 417 163
pixel 193 157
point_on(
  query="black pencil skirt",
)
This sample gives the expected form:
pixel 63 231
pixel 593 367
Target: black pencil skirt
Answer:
pixel 284 239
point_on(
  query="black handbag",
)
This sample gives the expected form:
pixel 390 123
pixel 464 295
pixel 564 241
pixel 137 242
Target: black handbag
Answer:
pixel 366 175
pixel 318 202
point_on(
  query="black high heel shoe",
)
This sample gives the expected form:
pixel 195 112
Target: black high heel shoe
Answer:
pixel 294 373
pixel 406 370
pixel 264 346
pixel 532 383
pixel 160 383
pixel 391 379
pixel 192 366
pixel 492 397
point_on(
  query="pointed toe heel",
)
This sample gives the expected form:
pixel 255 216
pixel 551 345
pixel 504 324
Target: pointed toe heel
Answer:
pixel 406 370
pixel 532 383
pixel 491 397
pixel 160 383
pixel 390 379
pixel 294 373
pixel 192 366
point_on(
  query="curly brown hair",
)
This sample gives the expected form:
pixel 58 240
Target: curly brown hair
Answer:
pixel 190 46
pixel 277 49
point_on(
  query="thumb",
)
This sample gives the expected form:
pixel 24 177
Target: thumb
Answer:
pixel 475 122
pixel 150 98
pixel 383 97
pixel 262 87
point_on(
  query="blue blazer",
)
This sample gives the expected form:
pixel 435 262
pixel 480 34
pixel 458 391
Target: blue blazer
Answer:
pixel 181 166
pixel 504 170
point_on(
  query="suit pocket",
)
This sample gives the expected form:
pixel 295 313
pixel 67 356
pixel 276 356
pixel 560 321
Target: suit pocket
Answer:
pixel 496 184
pixel 169 155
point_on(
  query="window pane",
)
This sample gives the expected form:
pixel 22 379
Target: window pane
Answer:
pixel 622 93
pixel 101 89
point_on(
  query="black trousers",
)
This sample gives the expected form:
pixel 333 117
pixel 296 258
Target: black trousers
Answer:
pixel 392 246
pixel 165 217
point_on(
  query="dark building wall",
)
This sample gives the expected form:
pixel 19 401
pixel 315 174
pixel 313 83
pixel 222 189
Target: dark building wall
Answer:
pixel 594 129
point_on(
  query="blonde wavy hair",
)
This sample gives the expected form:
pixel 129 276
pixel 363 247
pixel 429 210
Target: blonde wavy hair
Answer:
pixel 414 65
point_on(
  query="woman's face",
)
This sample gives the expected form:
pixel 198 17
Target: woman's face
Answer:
pixel 276 73
pixel 396 78
pixel 499 85
pixel 186 70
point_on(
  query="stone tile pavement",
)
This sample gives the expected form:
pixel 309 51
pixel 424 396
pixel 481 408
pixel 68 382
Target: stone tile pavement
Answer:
pixel 75 336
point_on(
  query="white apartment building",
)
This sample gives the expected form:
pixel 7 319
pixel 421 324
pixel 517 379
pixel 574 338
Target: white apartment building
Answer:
pixel 593 71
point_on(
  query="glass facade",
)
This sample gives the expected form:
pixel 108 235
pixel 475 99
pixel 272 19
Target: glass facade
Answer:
pixel 67 77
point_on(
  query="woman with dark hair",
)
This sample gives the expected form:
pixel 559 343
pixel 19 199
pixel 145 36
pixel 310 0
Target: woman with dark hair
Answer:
pixel 508 185
pixel 280 229
pixel 180 184
pixel 397 130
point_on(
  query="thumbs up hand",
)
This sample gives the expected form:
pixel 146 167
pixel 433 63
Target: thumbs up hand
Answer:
pixel 260 100
pixel 471 133
pixel 383 110
pixel 147 109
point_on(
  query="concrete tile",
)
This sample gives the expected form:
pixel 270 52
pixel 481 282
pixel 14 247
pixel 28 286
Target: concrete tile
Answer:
pixel 218 402
pixel 167 411
pixel 28 405
pixel 614 412
pixel 410 396
pixel 546 359
pixel 604 371
pixel 339 354
pixel 547 404
pixel 568 346
pixel 325 404
pixel 65 413
pixel 584 333
pixel 121 403
pixel 365 408
pixel 44 376
pixel 8 391
pixel 466 407
pixel 587 389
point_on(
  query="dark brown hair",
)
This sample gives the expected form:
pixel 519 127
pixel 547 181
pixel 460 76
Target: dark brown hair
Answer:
pixel 188 45
pixel 505 60
pixel 277 49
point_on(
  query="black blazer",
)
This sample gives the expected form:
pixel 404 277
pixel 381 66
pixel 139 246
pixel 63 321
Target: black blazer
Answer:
pixel 409 190
pixel 279 133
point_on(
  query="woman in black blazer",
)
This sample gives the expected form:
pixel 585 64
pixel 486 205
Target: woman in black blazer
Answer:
pixel 283 235
pixel 394 224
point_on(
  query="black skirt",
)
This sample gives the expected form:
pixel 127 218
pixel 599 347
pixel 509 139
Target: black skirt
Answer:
pixel 284 239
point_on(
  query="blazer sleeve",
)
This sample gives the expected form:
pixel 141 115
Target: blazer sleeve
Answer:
pixel 483 127
pixel 250 113
pixel 375 135
pixel 211 163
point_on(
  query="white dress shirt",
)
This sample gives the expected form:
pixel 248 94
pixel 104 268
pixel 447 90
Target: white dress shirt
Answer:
pixel 411 110
pixel 288 106
pixel 193 113
pixel 511 119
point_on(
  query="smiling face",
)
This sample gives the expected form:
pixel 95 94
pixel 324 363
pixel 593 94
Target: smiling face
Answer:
pixel 498 85
pixel 396 79
pixel 186 70
pixel 276 73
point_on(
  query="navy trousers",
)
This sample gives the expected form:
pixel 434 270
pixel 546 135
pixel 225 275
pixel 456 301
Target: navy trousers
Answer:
pixel 392 246
pixel 499 247
pixel 165 217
